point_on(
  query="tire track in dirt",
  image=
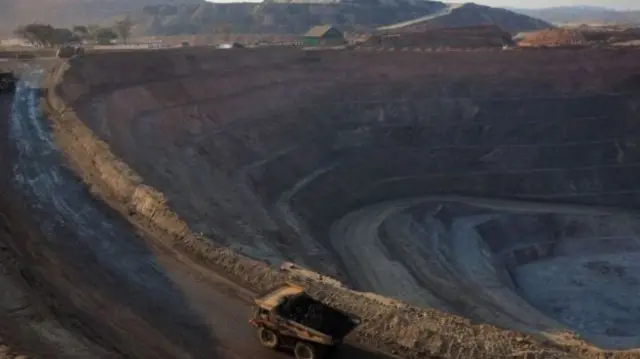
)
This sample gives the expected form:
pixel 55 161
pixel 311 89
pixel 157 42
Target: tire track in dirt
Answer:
pixel 108 253
pixel 29 329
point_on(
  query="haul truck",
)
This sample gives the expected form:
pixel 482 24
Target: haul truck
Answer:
pixel 287 317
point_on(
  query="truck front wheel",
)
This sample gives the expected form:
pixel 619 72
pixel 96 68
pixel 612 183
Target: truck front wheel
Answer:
pixel 268 338
pixel 304 350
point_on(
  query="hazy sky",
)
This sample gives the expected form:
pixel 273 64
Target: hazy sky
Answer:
pixel 615 4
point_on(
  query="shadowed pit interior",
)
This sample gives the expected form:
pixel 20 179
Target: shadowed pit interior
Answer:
pixel 445 180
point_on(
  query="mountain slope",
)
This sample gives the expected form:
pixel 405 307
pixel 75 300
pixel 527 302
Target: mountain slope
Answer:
pixel 276 17
pixel 470 14
pixel 69 12
pixel 172 17
pixel 296 17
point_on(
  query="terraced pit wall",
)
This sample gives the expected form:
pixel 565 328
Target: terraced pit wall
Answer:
pixel 261 150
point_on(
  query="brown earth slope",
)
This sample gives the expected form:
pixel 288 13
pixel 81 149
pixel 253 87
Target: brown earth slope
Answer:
pixel 63 294
pixel 484 36
pixel 580 36
pixel 282 154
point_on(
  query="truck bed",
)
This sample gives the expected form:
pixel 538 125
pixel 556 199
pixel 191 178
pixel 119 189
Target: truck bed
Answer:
pixel 311 313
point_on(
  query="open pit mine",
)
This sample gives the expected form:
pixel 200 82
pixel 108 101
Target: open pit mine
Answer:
pixel 468 204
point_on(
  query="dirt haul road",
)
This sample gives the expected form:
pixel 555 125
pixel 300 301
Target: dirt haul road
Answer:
pixel 141 301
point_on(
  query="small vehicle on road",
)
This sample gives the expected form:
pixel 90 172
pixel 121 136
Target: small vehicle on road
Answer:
pixel 288 318
pixel 7 81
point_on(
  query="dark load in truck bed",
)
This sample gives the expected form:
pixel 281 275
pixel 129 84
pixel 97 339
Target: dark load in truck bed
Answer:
pixel 313 314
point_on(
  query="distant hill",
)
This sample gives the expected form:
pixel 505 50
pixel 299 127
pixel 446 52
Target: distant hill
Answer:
pixel 470 14
pixel 297 16
pixel 173 17
pixel 276 17
pixel 582 15
pixel 69 12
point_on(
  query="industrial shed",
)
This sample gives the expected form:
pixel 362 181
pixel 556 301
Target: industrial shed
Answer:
pixel 324 35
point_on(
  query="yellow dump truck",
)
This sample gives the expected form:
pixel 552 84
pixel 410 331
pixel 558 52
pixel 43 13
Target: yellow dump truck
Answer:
pixel 288 318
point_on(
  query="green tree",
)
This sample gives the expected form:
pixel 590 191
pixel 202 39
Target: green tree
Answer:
pixel 44 35
pixel 40 35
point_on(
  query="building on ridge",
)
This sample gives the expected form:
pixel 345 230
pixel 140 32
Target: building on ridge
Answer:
pixel 323 35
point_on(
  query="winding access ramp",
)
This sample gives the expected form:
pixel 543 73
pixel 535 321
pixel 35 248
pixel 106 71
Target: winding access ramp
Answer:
pixel 464 204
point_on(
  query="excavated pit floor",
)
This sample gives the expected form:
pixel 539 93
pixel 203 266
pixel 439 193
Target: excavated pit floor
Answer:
pixel 508 263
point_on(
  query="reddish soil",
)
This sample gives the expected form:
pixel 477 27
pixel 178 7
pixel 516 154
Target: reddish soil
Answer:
pixel 555 37
pixel 579 36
